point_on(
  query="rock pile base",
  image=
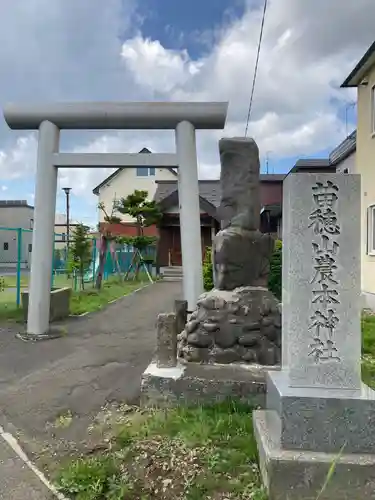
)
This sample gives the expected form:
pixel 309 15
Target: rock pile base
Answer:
pixel 238 326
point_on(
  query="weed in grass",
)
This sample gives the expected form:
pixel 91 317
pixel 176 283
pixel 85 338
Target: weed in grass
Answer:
pixel 120 488
pixel 88 478
pixel 64 420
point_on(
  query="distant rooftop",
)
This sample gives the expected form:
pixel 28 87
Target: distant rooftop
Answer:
pixel 344 149
pixel 208 189
pixel 14 203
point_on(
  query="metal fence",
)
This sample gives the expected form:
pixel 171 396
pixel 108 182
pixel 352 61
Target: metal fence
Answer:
pixel 16 257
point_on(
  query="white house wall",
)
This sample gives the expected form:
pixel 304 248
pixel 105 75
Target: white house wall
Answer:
pixel 125 183
pixel 348 164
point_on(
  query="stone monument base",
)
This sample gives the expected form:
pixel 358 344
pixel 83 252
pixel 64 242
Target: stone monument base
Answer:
pixel 321 419
pixel 193 384
pixel 305 430
pixel 300 474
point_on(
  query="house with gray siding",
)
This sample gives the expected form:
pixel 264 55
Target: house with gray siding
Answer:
pixel 15 214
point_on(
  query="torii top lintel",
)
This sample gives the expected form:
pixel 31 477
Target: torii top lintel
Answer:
pixel 117 115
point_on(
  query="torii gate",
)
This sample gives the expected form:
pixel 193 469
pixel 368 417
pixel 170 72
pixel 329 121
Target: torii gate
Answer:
pixel 49 119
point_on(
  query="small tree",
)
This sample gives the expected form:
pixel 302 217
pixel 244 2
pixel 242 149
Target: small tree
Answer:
pixel 145 213
pixel 81 250
pixel 105 239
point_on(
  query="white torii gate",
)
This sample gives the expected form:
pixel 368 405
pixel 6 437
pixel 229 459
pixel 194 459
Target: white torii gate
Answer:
pixel 49 119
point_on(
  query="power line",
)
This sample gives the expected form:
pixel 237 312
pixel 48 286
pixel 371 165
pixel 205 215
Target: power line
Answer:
pixel 256 66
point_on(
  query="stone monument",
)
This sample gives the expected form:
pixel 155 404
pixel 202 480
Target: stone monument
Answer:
pixel 318 410
pixel 240 320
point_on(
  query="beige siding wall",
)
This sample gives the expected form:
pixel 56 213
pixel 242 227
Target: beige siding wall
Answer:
pixel 126 183
pixel 15 217
pixel 365 165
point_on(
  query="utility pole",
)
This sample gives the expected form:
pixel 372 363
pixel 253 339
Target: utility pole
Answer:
pixel 67 192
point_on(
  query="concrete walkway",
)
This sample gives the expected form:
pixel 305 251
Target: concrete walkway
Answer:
pixel 51 390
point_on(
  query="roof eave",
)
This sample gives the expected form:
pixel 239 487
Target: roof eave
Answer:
pixel 361 69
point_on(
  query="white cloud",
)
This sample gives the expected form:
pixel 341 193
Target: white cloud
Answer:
pixel 4 188
pixel 19 160
pixel 295 105
pixel 56 51
pixel 169 68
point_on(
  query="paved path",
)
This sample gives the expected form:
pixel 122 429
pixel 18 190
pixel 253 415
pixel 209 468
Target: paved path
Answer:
pixel 100 359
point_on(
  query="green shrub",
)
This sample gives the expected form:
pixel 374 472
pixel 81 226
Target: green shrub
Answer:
pixel 208 276
pixel 274 277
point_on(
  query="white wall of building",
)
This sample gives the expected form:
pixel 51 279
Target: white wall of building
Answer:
pixel 348 165
pixel 126 182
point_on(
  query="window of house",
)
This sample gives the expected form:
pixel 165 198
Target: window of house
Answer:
pixel 373 110
pixel 63 237
pixel 142 171
pixel 30 247
pixel 145 171
pixel 371 230
pixel 6 245
pixel 31 223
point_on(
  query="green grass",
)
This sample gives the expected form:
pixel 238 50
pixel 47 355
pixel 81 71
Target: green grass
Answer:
pixel 368 350
pixel 81 301
pixel 59 280
pixel 90 299
pixel 183 453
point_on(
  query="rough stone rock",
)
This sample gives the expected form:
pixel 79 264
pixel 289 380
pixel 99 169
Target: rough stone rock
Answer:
pixel 225 335
pixel 250 339
pixel 225 356
pixel 241 258
pixel 191 326
pixel 271 332
pixel 250 356
pixel 194 354
pixel 252 326
pixel 199 339
pixel 267 321
pixel 210 327
pixel 240 192
pixel 182 336
pixel 253 338
pixel 180 308
pixel 241 253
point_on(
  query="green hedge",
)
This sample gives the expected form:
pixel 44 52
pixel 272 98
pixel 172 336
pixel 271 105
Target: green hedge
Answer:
pixel 274 277
pixel 208 276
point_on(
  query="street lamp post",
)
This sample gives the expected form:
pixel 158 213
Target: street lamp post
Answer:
pixel 67 192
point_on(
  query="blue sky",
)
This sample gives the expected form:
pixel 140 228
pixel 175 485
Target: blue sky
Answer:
pixel 167 50
pixel 188 25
